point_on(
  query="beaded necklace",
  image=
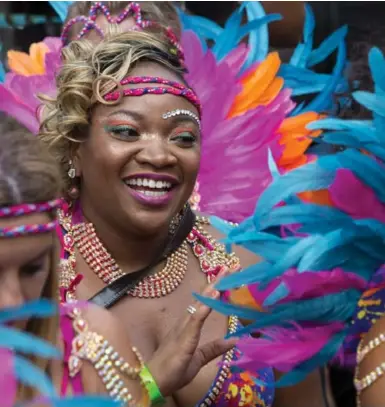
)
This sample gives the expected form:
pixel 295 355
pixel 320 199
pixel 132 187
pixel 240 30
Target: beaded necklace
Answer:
pixel 212 256
pixel 106 268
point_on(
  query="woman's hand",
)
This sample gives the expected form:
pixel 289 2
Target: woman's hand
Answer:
pixel 180 356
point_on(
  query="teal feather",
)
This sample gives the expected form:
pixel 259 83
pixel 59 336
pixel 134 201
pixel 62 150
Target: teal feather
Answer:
pixel 329 308
pixel 2 73
pixel 27 373
pixel 41 308
pixel 323 100
pixel 203 27
pixel 273 168
pixel 302 52
pixel 61 8
pixel 254 25
pixel 377 63
pixel 84 401
pixel 375 103
pixel 327 47
pixel 304 213
pixel 246 276
pixel 278 294
pixel 308 178
pixel 224 43
pixel 25 343
pixel 258 39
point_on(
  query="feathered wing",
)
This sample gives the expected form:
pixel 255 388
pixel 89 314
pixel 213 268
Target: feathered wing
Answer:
pixel 248 107
pixel 321 284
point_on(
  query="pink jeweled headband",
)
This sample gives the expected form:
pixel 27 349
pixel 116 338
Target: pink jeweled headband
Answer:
pixel 27 209
pixel 131 10
pixel 171 87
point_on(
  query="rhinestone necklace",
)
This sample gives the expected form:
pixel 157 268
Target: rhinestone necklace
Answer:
pixel 106 268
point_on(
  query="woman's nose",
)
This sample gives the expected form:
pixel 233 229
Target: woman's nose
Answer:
pixel 157 154
pixel 11 293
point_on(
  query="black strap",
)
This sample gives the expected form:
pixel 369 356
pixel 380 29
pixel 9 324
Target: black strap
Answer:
pixel 113 292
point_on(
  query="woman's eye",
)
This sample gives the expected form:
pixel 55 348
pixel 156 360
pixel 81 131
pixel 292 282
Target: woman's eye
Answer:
pixel 186 138
pixel 32 269
pixel 122 132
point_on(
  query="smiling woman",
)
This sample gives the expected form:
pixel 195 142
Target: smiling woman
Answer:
pixel 125 127
pixel 98 358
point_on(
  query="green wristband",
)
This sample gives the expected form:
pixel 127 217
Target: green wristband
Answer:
pixel 156 397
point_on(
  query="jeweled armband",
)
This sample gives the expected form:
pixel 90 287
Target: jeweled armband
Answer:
pixel 112 369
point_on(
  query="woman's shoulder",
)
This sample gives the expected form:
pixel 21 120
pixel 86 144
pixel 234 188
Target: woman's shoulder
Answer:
pixel 245 257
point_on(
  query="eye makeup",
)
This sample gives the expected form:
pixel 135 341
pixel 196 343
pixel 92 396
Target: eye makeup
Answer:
pixel 122 129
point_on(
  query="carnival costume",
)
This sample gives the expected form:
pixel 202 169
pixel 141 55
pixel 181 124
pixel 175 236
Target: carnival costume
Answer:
pixel 248 110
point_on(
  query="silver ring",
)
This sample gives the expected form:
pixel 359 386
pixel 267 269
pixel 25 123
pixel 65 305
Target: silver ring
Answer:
pixel 191 309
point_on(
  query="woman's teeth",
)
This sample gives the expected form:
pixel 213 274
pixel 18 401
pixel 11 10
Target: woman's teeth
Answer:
pixel 150 183
pixel 152 193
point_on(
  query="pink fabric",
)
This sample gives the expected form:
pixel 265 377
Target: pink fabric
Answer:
pixel 8 383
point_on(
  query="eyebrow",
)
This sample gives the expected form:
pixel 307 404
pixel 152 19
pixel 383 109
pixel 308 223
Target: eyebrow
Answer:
pixel 135 115
pixel 140 117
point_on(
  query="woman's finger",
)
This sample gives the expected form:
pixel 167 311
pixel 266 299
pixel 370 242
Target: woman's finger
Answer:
pixel 198 312
pixel 210 351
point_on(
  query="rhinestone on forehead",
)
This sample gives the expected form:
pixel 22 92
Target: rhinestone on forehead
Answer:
pixel 182 112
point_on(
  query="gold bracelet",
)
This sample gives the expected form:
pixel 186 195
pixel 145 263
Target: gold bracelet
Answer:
pixel 373 344
pixel 92 347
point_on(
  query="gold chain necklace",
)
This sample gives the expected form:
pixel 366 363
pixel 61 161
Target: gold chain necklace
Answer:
pixel 106 268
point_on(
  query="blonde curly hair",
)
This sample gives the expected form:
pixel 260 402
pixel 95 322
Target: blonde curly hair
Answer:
pixel 88 73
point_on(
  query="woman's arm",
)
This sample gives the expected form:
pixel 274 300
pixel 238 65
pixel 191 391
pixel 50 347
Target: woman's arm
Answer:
pixel 104 323
pixel 370 370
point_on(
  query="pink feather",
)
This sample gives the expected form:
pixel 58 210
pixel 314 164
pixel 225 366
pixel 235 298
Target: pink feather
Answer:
pixel 8 384
pixel 345 192
pixel 297 344
pixel 234 169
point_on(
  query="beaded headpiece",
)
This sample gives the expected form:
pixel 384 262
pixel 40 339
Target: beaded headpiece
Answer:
pixel 27 209
pixel 131 10
pixel 170 87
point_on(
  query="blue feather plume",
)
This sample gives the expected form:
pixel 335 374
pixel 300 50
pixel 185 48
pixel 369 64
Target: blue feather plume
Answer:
pixel 332 238
pixel 61 8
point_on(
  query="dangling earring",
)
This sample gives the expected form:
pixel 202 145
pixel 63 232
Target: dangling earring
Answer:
pixel 73 192
pixel 195 198
pixel 71 171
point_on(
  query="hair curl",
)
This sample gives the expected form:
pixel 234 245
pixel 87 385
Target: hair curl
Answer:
pixel 88 73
